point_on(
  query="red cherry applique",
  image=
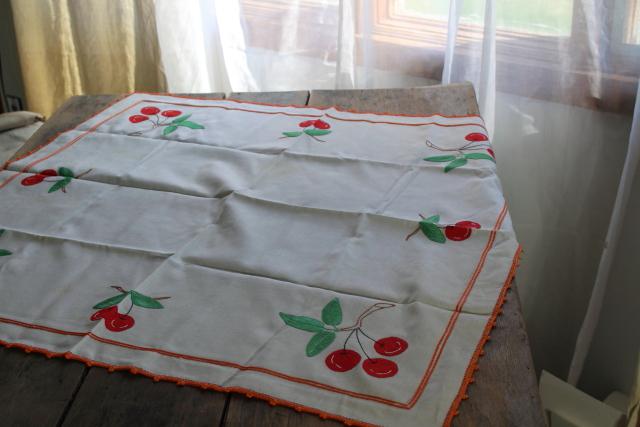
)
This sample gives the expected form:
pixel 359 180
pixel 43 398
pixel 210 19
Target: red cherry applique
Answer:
pixel 33 179
pixel 119 322
pixel 390 346
pixel 137 118
pixel 105 313
pixel 460 231
pixel 49 172
pixel 171 113
pixel 342 360
pixel 306 123
pixel 491 153
pixel 476 136
pixel 150 111
pixel 321 124
pixel 380 368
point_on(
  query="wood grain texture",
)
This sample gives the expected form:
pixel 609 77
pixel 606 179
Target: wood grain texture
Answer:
pixel 505 391
pixel 245 412
pixel 121 399
pixel 280 98
pixel 34 390
pixel 450 100
pixel 504 394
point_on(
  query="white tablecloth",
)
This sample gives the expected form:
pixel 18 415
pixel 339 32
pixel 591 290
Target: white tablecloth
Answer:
pixel 263 250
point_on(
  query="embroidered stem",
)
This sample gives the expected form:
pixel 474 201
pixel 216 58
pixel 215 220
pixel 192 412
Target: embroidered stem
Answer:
pixel 83 174
pixel 471 145
pixel 317 139
pixel 363 333
pixel 413 233
pixel 130 308
pixel 369 311
pixel 344 347
pixel 360 344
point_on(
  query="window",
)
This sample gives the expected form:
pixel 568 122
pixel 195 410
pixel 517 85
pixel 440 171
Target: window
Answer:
pixel 545 42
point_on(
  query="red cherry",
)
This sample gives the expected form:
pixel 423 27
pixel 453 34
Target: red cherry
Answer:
pixel 380 368
pixel 320 124
pixel 150 111
pixel 306 123
pixel 33 179
pixel 119 323
pixel 390 346
pixel 461 230
pixel 491 153
pixel 105 313
pixel 476 136
pixel 171 113
pixel 342 360
pixel 49 172
pixel 137 118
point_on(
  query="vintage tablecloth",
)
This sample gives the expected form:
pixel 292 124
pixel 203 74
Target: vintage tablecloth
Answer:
pixel 346 264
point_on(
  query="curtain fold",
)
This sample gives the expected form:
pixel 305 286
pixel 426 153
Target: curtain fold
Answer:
pixel 69 47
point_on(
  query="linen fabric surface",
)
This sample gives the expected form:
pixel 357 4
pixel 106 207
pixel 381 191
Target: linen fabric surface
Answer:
pixel 306 256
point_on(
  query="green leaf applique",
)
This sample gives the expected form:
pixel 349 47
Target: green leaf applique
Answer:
pixel 319 342
pixel 303 323
pixel 316 132
pixel 181 119
pixel 332 313
pixel 292 134
pixel 60 185
pixel 455 164
pixel 111 301
pixel 144 301
pixel 446 158
pixel 191 125
pixel 479 156
pixel 169 129
pixel 4 252
pixel 432 231
pixel 62 171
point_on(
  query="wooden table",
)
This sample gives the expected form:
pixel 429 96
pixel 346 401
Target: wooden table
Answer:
pixel 35 391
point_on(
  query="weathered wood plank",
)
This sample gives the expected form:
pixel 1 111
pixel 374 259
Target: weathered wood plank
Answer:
pixel 451 100
pixel 73 112
pixel 245 412
pixel 505 392
pixel 35 391
pixel 121 399
pixel 280 98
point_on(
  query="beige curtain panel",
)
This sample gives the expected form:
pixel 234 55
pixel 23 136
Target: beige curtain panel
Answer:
pixel 76 47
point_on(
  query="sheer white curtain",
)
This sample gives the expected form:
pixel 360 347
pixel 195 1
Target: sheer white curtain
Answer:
pixel 555 80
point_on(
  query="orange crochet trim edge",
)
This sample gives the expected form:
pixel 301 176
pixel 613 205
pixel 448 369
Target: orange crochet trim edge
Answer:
pixel 273 401
pixel 486 336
